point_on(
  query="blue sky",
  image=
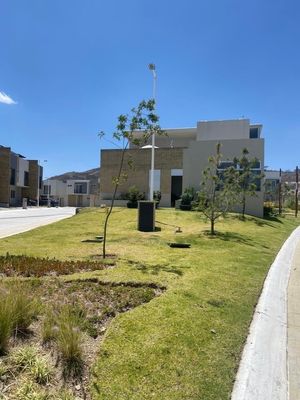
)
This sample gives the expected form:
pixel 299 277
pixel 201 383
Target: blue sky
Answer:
pixel 73 66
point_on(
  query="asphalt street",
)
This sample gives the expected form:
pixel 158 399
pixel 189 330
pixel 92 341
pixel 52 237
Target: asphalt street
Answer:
pixel 13 221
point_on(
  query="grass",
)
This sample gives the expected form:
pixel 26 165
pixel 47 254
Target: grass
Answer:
pixel 186 343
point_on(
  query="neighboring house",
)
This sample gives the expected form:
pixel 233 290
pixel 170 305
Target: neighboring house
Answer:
pixel 71 192
pixel 272 179
pixel 180 158
pixel 19 178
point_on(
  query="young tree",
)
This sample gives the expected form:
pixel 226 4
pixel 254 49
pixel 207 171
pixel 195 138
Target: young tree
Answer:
pixel 247 178
pixel 144 118
pixel 217 190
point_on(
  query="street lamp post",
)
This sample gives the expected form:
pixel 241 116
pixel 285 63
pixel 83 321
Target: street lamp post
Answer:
pixel 152 68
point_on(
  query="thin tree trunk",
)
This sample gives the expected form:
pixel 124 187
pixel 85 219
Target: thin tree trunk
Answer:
pixel 212 227
pixel 244 206
pixel 112 202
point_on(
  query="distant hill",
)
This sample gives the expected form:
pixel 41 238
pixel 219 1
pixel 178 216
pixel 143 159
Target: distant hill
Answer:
pixel 91 174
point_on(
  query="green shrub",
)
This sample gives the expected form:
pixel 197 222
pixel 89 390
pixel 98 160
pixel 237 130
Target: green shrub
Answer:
pixel 269 209
pixel 133 196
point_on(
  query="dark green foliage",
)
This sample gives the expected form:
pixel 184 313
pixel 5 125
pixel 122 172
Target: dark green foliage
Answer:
pixel 11 265
pixel 187 197
pixel 133 196
pixel 248 180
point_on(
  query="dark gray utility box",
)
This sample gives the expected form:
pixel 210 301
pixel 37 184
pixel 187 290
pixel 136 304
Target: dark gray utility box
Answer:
pixel 146 216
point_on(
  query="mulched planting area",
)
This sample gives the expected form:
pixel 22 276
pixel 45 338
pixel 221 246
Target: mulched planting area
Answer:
pixel 11 265
pixel 94 304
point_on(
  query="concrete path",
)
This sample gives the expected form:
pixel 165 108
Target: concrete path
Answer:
pixel 13 221
pixel 267 371
pixel 294 328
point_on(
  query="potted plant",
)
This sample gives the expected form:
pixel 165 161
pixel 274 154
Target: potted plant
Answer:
pixel 133 196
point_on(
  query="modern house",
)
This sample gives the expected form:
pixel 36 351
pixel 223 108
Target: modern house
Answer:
pixel 182 155
pixel 71 192
pixel 19 178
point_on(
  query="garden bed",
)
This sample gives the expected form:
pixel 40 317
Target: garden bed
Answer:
pixel 52 356
pixel 11 265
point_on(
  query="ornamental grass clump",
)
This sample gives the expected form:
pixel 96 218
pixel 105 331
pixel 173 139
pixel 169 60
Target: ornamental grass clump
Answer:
pixel 63 327
pixel 23 309
pixel 6 325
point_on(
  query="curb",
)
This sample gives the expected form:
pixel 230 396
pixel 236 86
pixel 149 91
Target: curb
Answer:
pixel 262 373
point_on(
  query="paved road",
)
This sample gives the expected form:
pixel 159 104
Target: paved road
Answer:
pixel 13 221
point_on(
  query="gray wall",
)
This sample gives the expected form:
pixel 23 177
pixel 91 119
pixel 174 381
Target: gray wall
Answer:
pixel 195 160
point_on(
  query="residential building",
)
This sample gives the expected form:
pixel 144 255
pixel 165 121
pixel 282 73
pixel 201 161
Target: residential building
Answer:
pixel 272 180
pixel 180 158
pixel 19 178
pixel 71 192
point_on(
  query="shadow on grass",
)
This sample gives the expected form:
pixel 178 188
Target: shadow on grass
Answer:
pixel 155 269
pixel 266 221
pixel 233 237
pixel 230 237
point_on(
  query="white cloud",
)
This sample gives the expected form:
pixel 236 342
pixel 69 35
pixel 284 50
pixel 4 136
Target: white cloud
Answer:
pixel 4 98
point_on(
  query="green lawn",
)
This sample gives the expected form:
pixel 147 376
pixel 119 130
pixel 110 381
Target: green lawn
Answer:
pixel 186 343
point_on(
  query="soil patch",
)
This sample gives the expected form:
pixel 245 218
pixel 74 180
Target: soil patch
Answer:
pixel 97 304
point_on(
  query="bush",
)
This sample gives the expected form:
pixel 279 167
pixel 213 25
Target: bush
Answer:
pixel 187 197
pixel 269 209
pixel 133 196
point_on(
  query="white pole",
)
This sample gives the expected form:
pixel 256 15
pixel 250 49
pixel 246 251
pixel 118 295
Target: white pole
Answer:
pixel 152 68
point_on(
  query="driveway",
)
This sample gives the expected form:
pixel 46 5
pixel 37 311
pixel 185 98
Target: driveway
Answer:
pixel 13 221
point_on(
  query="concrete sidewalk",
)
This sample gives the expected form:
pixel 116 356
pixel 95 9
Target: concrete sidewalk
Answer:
pixel 270 363
pixel 293 353
pixel 14 221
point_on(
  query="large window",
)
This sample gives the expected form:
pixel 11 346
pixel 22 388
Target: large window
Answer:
pixel 253 134
pixel 12 176
pixel 26 178
pixel 80 187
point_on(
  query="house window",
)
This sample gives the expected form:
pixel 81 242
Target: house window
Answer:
pixel 80 187
pixel 253 133
pixel 12 194
pixel 47 189
pixel 26 178
pixel 12 176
